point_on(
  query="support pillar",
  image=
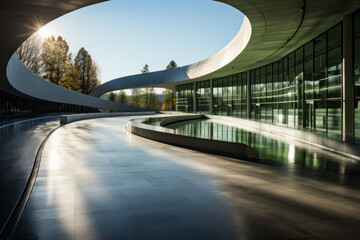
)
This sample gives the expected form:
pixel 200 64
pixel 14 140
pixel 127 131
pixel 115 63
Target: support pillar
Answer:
pixel 211 97
pixel 194 98
pixel 248 95
pixel 348 80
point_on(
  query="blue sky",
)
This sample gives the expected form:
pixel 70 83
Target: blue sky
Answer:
pixel 124 35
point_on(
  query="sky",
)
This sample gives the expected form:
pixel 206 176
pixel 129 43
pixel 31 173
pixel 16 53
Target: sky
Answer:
pixel 124 35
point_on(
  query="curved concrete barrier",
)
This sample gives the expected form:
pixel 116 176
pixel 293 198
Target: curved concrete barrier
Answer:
pixel 169 136
pixel 180 118
pixel 347 149
pixel 31 84
pixel 192 71
pixel 65 119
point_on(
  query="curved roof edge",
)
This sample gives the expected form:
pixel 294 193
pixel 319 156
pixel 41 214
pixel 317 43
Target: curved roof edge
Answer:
pixel 23 79
pixel 195 70
pixel 277 28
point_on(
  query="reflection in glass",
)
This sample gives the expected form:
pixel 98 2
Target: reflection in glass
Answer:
pixel 269 146
pixel 301 90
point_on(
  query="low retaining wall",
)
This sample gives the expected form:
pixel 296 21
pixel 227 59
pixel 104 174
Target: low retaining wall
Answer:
pixel 347 149
pixel 65 119
pixel 180 118
pixel 165 135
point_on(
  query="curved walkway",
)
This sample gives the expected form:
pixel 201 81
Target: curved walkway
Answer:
pixel 97 181
pixel 19 144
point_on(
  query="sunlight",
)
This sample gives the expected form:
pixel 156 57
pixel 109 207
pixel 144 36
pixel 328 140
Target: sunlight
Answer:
pixel 44 32
pixel 291 155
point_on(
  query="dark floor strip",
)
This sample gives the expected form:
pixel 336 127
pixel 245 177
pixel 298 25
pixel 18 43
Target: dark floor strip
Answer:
pixel 8 230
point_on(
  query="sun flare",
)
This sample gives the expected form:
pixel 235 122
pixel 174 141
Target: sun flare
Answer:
pixel 44 32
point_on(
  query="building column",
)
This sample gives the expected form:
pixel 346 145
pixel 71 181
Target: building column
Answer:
pixel 248 95
pixel 348 79
pixel 194 98
pixel 211 97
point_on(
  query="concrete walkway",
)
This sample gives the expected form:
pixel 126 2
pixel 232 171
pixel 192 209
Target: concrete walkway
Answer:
pixel 19 144
pixel 97 181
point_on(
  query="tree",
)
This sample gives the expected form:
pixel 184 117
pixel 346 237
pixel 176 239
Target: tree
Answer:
pixel 112 97
pixel 29 53
pixel 145 69
pixel 88 71
pixel 152 100
pixel 135 97
pixel 170 99
pixel 122 98
pixel 146 99
pixel 171 65
pixel 72 79
pixel 55 59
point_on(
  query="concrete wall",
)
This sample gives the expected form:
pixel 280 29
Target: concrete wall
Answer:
pixel 180 118
pixel 160 134
pixel 347 149
pixel 195 70
pixel 29 83
pixel 65 119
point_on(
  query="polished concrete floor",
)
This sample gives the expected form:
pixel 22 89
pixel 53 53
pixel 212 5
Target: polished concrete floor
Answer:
pixel 97 181
pixel 19 143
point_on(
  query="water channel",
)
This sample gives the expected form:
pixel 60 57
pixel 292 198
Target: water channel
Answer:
pixel 270 146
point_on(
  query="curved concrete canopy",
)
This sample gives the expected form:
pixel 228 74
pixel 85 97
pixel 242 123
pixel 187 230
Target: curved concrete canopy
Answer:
pixel 192 71
pixel 277 28
pixel 45 90
pixel 19 19
pixel 270 31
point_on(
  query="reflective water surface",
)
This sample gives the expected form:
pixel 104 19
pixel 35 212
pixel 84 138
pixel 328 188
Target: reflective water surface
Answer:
pixel 270 146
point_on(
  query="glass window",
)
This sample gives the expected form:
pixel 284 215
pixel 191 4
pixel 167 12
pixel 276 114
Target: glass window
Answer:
pixel 334 73
pixel 320 44
pixel 301 90
pixel 334 37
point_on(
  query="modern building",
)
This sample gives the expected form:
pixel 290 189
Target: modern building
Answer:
pixel 292 69
pixel 294 75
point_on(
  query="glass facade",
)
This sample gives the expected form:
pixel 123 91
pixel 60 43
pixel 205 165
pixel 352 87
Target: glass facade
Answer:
pixel 230 95
pixel 302 90
pixel 14 108
pixel 203 96
pixel 184 97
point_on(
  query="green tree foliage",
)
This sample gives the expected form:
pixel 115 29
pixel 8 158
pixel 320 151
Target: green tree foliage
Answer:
pixel 135 97
pixel 122 98
pixel 152 102
pixel 169 99
pixel 88 71
pixel 112 97
pixel 55 59
pixel 71 79
pixel 51 60
pixel 29 53
pixel 146 97
pixel 145 69
pixel 171 65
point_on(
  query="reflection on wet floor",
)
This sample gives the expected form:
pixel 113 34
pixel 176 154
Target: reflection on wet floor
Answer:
pixel 19 143
pixel 97 181
pixel 270 146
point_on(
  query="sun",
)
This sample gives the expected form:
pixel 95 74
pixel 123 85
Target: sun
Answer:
pixel 44 32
